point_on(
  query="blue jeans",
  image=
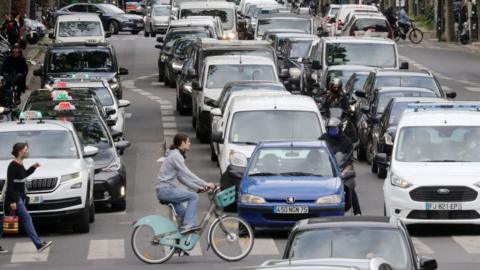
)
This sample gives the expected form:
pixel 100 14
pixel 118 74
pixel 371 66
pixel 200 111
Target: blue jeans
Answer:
pixel 177 196
pixel 26 220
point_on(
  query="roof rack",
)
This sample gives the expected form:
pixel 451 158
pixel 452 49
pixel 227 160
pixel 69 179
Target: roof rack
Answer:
pixel 463 106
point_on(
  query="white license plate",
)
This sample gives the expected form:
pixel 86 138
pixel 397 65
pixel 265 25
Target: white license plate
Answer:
pixel 281 209
pixel 443 206
pixel 36 199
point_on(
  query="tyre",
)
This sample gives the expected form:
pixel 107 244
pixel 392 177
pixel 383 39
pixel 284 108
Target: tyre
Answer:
pixel 147 249
pixel 154 34
pixel 120 205
pixel 194 122
pixel 181 109
pixel 464 39
pixel 231 238
pixel 145 33
pixel 396 36
pixel 113 27
pixel 202 134
pixel 213 156
pixel 82 224
pixel 415 36
pixel 370 153
pixel 171 81
pixel 135 32
pixel 92 213
pixel 374 167
pixel 33 40
pixel 361 153
pixel 382 172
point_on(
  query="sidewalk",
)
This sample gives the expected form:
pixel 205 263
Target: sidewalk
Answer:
pixel 35 53
pixel 429 36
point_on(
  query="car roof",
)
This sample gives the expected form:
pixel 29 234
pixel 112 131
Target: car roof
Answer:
pixel 289 35
pixel 45 124
pixel 83 45
pixel 274 102
pixel 191 22
pixel 393 72
pixel 442 116
pixel 352 67
pixel 252 82
pixel 202 4
pixel 286 31
pixel 79 17
pixel 213 43
pixel 284 15
pixel 348 39
pixel 416 99
pixel 404 88
pixel 346 221
pixel 294 143
pixel 304 38
pixel 240 59
pixel 369 15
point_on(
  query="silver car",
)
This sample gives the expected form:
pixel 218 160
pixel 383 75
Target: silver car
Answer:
pixel 157 20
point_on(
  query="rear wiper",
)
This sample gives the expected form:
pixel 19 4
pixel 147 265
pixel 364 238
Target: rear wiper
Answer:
pixel 247 143
pixel 300 174
pixel 263 174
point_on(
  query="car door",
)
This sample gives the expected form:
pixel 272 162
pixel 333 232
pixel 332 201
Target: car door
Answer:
pixel 104 17
pixel 78 8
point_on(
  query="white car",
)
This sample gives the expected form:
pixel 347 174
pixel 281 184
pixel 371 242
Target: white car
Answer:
pixel 209 24
pixel 249 120
pixel 157 20
pixel 106 96
pixel 218 71
pixel 345 10
pixel 85 28
pixel 62 187
pixel 435 165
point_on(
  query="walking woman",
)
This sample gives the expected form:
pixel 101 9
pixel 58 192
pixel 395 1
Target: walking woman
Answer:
pixel 15 197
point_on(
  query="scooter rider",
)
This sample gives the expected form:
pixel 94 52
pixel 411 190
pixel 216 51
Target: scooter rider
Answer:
pixel 336 97
pixel 15 67
pixel 340 143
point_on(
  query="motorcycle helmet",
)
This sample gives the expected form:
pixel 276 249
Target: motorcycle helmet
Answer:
pixel 336 85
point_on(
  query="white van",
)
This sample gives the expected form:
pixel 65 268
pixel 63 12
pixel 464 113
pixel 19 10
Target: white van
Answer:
pixel 225 10
pixel 86 28
pixel 435 165
pixel 343 12
pixel 249 120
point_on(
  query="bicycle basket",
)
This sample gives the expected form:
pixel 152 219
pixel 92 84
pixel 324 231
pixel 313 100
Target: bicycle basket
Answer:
pixel 225 197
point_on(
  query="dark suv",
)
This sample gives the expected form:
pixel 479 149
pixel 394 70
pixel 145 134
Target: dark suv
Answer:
pixel 82 61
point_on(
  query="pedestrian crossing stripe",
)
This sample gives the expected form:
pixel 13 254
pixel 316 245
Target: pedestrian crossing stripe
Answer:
pixel 264 246
pixel 106 249
pixel 473 89
pixel 26 252
pixel 421 247
pixel 471 244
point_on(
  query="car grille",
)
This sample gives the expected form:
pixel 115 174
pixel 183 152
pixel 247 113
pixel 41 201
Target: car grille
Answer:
pixel 444 214
pixel 455 194
pixel 41 184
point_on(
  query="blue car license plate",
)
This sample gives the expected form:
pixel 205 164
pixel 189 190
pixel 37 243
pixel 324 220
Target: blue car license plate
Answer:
pixel 290 209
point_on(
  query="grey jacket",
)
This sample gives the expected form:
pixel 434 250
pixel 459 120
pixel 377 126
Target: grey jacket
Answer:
pixel 174 168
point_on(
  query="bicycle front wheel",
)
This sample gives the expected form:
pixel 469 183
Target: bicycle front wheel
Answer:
pixel 147 248
pixel 231 238
pixel 415 36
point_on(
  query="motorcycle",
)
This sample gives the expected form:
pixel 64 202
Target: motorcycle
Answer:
pixel 463 33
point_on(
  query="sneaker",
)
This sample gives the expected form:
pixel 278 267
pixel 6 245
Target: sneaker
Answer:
pixel 44 246
pixel 2 250
pixel 188 229
pixel 358 214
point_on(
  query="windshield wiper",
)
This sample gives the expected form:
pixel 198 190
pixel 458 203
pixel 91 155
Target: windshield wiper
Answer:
pixel 300 174
pixel 263 174
pixel 443 160
pixel 247 143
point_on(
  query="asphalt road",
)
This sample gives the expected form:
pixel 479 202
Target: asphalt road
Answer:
pixel 151 118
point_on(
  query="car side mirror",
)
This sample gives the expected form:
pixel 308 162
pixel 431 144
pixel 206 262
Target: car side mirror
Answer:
pixel 427 263
pixel 122 71
pixel 51 35
pixel 451 94
pixel 365 109
pixel 38 72
pixel 110 111
pixel 90 151
pixel 159 46
pixel 404 65
pixel 349 175
pixel 116 135
pixel 173 17
pixel 211 103
pixel 360 93
pixel 381 158
pixel 316 65
pixel 99 12
pixel 160 39
pixel 108 34
pixel 320 31
pixel 196 86
pixel 392 131
pixel 122 145
pixel 122 103
pixel 216 112
pixel 217 136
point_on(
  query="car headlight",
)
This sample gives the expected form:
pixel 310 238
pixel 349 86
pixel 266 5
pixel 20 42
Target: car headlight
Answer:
pixel 294 73
pixel 237 159
pixel 330 199
pixel 249 198
pixel 176 65
pixel 69 177
pixel 399 182
pixel 114 166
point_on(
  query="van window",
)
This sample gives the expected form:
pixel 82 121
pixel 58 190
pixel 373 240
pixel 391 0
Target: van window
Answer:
pixel 219 75
pixel 79 29
pixel 362 54
pixel 80 60
pixel 226 15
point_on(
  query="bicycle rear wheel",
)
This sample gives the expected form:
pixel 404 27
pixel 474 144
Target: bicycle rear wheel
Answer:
pixel 415 36
pixel 147 248
pixel 231 238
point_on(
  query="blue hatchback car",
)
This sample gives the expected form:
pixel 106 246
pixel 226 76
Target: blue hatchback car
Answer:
pixel 288 181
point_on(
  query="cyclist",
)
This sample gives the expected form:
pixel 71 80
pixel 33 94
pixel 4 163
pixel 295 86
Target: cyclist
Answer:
pixel 15 68
pixel 404 21
pixel 172 169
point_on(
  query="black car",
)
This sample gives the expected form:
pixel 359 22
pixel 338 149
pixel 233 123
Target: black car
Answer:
pixel 113 18
pixel 175 57
pixel 383 134
pixel 371 114
pixel 356 238
pixel 82 61
pixel 203 48
pixel 166 43
pixel 375 263
pixel 291 61
pixel 110 176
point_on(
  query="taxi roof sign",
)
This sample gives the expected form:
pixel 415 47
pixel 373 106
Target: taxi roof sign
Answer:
pixel 30 115
pixel 64 106
pixel 60 95
pixel 461 106
pixel 60 84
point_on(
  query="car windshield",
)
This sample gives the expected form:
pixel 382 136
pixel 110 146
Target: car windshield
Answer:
pixel 264 52
pixel 283 23
pixel 407 81
pixel 226 15
pixel 352 243
pixel 385 97
pixel 225 95
pixel 358 82
pixel 378 25
pixel 219 75
pixel 333 11
pixel 292 161
pixel 92 133
pixel 439 144
pixel 108 8
pixel 162 11
pixel 187 34
pixel 276 125
pixel 300 49
pixel 79 29
pixel 80 60
pixel 362 54
pixel 104 96
pixel 181 47
pixel 54 144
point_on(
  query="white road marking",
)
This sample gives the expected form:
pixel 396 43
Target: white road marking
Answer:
pixel 168 118
pixel 164 102
pixel 470 244
pixel 157 84
pixel 167 107
pixel 155 98
pixel 145 93
pixel 106 249
pixel 473 89
pixel 171 132
pixel 26 252
pixel 421 247
pixel 169 125
pixel 166 112
pixel 264 246
pixel 128 115
pixel 136 90
pixel 196 251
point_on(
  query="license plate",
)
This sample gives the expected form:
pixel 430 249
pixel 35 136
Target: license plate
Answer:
pixel 281 209
pixel 443 206
pixel 36 199
pixel 139 25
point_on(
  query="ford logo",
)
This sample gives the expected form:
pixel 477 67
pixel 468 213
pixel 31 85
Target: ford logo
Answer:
pixel 443 191
pixel 290 200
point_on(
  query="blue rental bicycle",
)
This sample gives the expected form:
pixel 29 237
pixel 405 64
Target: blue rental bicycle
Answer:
pixel 156 238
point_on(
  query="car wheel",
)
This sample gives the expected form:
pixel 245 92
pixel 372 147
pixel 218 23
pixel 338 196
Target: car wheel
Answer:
pixel 82 224
pixel 120 205
pixel 113 27
pixel 166 77
pixel 92 213
pixel 382 172
pixel 154 34
pixel 361 153
pixel 213 156
pixel 145 33
pixel 194 122
pixel 135 32
pixel 171 81
pixel 374 167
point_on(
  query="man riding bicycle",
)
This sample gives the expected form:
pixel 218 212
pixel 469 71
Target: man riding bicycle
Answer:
pixel 174 168
pixel 15 71
pixel 404 22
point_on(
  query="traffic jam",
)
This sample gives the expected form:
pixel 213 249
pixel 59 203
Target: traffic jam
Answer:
pixel 289 103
